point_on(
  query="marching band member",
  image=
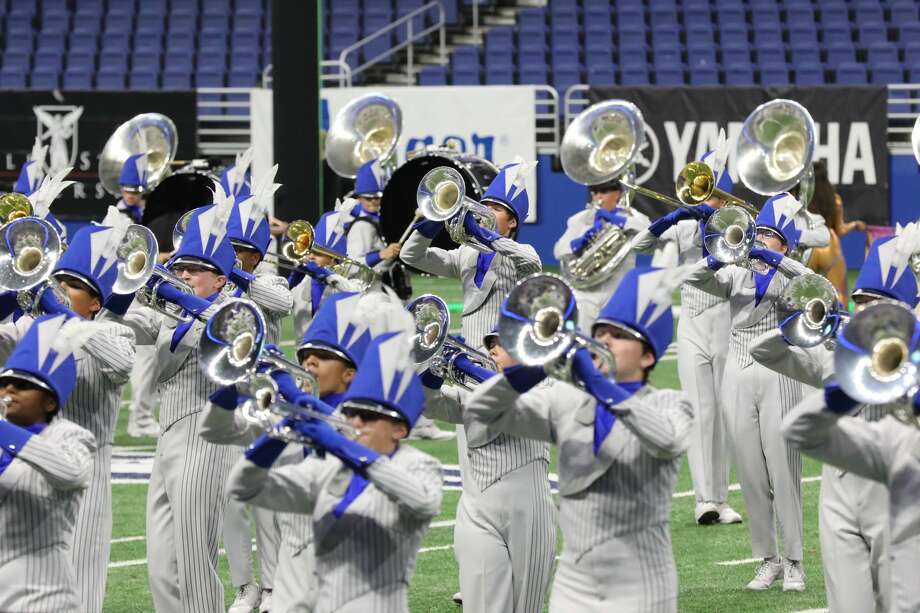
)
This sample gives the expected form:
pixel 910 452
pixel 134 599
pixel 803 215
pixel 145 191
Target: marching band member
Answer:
pixel 702 347
pixel 505 535
pixel 371 499
pixel 619 451
pixel 32 172
pixel 133 184
pixel 331 350
pixel 249 233
pixel 583 227
pixel 185 499
pixel 236 178
pixel 756 398
pixel 365 240
pixel 853 511
pixel 45 464
pixel 51 187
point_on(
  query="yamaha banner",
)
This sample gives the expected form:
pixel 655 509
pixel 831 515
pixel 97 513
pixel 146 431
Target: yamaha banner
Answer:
pixel 683 123
pixel 76 126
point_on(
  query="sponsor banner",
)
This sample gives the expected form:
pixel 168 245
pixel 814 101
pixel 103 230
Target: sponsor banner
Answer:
pixel 75 126
pixel 682 123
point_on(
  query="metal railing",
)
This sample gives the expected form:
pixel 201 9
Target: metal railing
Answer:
pixel 546 119
pixel 903 110
pixel 409 43
pixel 342 78
pixel 223 120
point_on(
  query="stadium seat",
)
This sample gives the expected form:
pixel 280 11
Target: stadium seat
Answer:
pixel 433 75
pixel 465 76
pixel 883 53
pixel 75 79
pixel 904 12
pixel 177 80
pixel 851 73
pixel 704 75
pixel 113 80
pixel 738 74
pixel 669 76
pixel 634 75
pixel 13 79
pixel 44 79
pixel 601 75
pixel 499 75
pixel 839 53
pixel 884 73
pixel 774 74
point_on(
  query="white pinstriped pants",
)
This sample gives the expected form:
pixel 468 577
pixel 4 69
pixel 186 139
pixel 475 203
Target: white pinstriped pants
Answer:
pixel 92 538
pixel 770 471
pixel 144 383
pixel 238 543
pixel 185 508
pixel 295 581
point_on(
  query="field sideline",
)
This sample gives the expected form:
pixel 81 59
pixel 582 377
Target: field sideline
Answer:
pixel 707 583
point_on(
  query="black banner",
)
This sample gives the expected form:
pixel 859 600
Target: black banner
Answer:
pixel 75 126
pixel 683 123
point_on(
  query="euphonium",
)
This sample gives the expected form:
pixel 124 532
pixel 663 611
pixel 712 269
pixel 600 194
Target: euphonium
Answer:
pixel 808 311
pixel 137 257
pixel 432 344
pixel 29 250
pixel 876 358
pixel 441 196
pixel 729 235
pixel 538 327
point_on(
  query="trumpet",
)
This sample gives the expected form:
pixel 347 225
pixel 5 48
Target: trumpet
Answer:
pixel 29 250
pixel 441 196
pixel 14 206
pixel 301 244
pixel 233 346
pixel 808 311
pixel 148 296
pixel 537 327
pixel 432 345
pixel 876 355
pixel 267 412
pixel 30 300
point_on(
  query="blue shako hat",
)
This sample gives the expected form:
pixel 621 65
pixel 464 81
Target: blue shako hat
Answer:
pixel 887 272
pixel 91 254
pixel 338 329
pixel 386 378
pixel 44 356
pixel 32 172
pixel 236 177
pixel 370 179
pixel 723 177
pixel 509 188
pixel 642 305
pixel 249 226
pixel 778 214
pixel 330 234
pixel 205 240
pixel 134 173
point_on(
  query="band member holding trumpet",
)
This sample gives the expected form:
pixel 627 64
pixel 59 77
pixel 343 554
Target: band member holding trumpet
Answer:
pixel 371 498
pixel 185 500
pixel 702 347
pixel 619 440
pixel 46 463
pixel 756 399
pixel 505 537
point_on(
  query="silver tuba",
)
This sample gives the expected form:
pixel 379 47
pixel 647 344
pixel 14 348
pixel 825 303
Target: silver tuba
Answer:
pixel 876 355
pixel 602 143
pixel 808 311
pixel 538 327
pixel 29 250
pixel 154 131
pixel 137 257
pixel 441 196
pixel 233 346
pixel 775 146
pixel 432 322
pixel 365 129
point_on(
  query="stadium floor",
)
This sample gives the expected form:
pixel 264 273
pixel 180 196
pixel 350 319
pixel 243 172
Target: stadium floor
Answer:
pixel 713 562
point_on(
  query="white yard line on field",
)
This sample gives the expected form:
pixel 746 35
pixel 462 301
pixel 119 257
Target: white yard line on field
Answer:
pixel 739 562
pixel 736 487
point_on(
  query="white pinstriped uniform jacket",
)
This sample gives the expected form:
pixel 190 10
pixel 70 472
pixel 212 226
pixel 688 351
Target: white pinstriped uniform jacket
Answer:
pixel 40 494
pixel 366 558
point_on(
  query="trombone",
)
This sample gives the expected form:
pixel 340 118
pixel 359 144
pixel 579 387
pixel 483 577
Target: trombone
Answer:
pixel 301 244
pixel 441 196
pixel 537 327
pixel 808 311
pixel 432 345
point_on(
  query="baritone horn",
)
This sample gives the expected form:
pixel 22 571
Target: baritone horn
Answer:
pixel 808 311
pixel 432 341
pixel 538 327
pixel 775 147
pixel 730 234
pixel 29 250
pixel 876 358
pixel 137 257
pixel 366 128
pixel 151 133
pixel 441 196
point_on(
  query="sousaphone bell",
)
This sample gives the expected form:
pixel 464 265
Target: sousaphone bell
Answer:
pixel 365 129
pixel 151 133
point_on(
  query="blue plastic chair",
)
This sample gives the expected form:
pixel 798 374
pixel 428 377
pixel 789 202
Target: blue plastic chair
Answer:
pixel 851 73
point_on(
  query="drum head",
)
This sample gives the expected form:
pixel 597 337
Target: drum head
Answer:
pixel 176 194
pixel 398 204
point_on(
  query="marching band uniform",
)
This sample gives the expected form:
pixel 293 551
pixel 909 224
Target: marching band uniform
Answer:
pixel 617 467
pixel 133 178
pixel 505 535
pixel 185 498
pixel 702 347
pixel 44 469
pixel 32 172
pixel 364 238
pixel 581 228
pixel 369 512
pixel 757 398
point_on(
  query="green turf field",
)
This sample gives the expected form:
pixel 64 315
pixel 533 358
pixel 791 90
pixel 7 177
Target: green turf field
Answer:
pixel 705 584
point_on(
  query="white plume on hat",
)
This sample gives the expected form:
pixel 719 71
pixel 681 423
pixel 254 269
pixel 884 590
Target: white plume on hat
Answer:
pixel 236 176
pixel 263 191
pixel 51 187
pixel 118 224
pixel 70 337
pixel 39 151
pixel 382 313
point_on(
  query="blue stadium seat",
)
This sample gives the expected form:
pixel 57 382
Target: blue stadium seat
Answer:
pixel 912 53
pixel 596 44
pixel 147 61
pixel 433 75
pixel 13 79
pixel 24 43
pixel 634 75
pixel 838 34
pixel 704 75
pixel 45 79
pixel 565 78
pixel 739 74
pixel 242 78
pixel 882 74
pixel 75 79
pixel 834 13
pixel 883 53
pixel 143 80
pixel 532 75
pixel 87 24
pixel 601 75
pixel 212 62
pixel 731 15
pixel 770 52
pixel 148 41
pixel 566 58
pixel 115 22
pixel 113 62
pixel 736 51
pixel 805 54
pixel 500 39
pixel 851 73
pixel 177 80
pixel 81 61
pixel 210 79
pixel 532 21
pixel 120 41
pixel 51 42
pixel 699 35
pixel 180 61
pixel 904 12
pixel 867 13
pixel 909 32
pixel 872 33
pixel 666 57
pixel 838 53
pixel 465 76
pixel 83 42
pixel 774 74
pixel 110 79
pixel 49 60
pixel 800 34
pixel 216 24
pixel 669 75
pixel 122 7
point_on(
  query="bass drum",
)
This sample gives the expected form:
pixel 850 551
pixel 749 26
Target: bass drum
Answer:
pixel 397 207
pixel 179 192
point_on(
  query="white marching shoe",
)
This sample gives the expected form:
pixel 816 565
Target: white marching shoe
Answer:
pixel 766 574
pixel 426 429
pixel 793 576
pixel 266 604
pixel 458 599
pixel 706 513
pixel 247 598
pixel 728 515
pixel 146 426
